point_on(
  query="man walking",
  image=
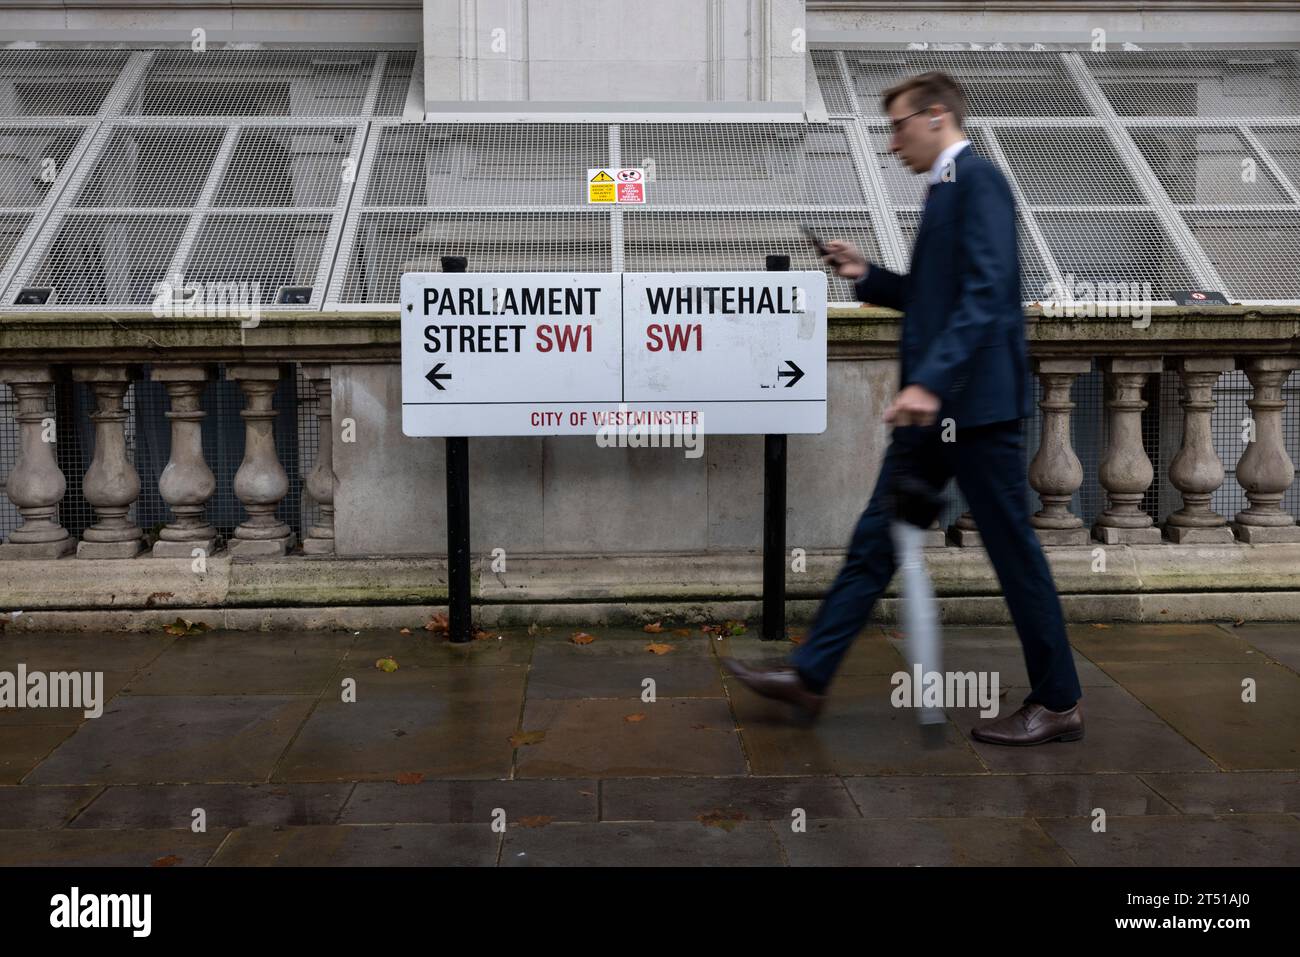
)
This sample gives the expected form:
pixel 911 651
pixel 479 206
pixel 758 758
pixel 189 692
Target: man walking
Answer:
pixel 963 364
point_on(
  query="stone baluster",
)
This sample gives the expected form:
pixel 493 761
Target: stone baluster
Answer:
pixel 36 484
pixel 964 531
pixel 111 484
pixel 1196 470
pixel 934 536
pixel 261 482
pixel 1125 470
pixel 319 540
pixel 1055 473
pixel 186 482
pixel 1265 471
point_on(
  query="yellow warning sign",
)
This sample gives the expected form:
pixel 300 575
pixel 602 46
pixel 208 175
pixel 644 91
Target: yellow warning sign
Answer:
pixel 601 187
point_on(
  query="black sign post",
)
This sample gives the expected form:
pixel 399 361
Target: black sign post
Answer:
pixel 774 475
pixel 460 628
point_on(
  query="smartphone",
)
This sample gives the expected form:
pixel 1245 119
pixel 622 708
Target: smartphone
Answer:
pixel 815 240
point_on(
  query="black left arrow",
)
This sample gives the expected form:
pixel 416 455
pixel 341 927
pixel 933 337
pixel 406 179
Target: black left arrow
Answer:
pixel 433 375
pixel 794 373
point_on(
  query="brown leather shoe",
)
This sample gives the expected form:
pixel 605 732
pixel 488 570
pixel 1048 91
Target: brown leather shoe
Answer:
pixel 781 684
pixel 1033 724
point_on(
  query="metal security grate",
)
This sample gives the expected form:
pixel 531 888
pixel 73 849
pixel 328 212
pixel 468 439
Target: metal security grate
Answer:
pixel 12 226
pixel 682 241
pixel 57 82
pixel 1283 145
pixel 103 259
pixel 1067 167
pixel 299 166
pixel 1258 254
pixel 260 82
pixel 158 167
pixel 385 245
pixel 744 164
pixel 31 161
pixel 1136 251
pixel 391 100
pixel 1208 166
pixel 258 254
pixel 835 95
pixel 447 165
pixel 1199 82
pixel 1035 280
pixel 997 83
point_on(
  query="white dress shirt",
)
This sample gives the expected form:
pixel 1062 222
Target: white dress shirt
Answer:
pixel 944 158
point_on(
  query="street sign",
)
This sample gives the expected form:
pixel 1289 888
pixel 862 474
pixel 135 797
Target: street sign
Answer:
pixel 575 354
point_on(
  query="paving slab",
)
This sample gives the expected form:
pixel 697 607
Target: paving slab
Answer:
pixel 91 651
pixel 22 748
pixel 593 738
pixel 23 807
pixel 1203 703
pixel 870 653
pixel 425 649
pixel 143 739
pixel 944 842
pixel 858 732
pixel 436 722
pixel 398 845
pixel 470 802
pixel 1229 792
pixel 86 848
pixel 1004 795
pixel 668 844
pixel 224 805
pixel 1238 840
pixel 233 662
pixel 1120 734
pixel 112 684
pixel 1280 640
pixel 1174 642
pixel 735 798
pixel 998 650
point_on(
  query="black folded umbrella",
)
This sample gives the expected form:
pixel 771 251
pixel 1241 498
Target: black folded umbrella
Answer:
pixel 914 497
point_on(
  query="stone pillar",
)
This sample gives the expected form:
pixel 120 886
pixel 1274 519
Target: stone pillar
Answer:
pixel 111 484
pixel 319 540
pixel 1125 470
pixel 1265 471
pixel 1055 473
pixel 1196 470
pixel 186 482
pixel 35 485
pixel 261 482
pixel 934 536
pixel 964 531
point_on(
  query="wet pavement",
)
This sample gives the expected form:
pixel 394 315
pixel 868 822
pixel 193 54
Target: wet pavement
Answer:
pixel 292 748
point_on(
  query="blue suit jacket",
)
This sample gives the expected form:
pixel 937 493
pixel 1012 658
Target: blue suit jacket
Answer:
pixel 963 323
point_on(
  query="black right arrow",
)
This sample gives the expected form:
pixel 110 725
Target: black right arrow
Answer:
pixel 433 375
pixel 794 372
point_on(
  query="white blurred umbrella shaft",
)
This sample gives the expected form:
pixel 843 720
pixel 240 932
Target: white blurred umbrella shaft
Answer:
pixel 920 615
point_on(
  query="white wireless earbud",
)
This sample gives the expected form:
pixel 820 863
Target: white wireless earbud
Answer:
pixel 934 122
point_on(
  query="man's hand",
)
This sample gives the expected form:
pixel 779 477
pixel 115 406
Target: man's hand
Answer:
pixel 845 259
pixel 915 405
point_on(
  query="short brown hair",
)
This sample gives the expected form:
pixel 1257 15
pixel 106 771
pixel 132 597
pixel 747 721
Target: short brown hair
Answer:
pixel 928 89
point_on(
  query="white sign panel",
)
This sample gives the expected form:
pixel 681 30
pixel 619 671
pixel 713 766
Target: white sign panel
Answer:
pixel 572 354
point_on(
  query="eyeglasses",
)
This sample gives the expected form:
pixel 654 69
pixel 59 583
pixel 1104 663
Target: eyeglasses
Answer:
pixel 898 123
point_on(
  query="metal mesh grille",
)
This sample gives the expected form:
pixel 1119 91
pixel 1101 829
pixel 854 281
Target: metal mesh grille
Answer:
pixel 459 165
pixel 743 164
pixel 1211 166
pixel 152 167
pixel 11 230
pixel 835 95
pixel 1258 255
pixel 1034 276
pixel 673 241
pixel 1199 82
pixel 1283 145
pixel 385 245
pixel 256 82
pixel 103 259
pixel 1227 425
pixel 31 160
pixel 392 88
pixel 299 166
pixel 271 251
pixel 1136 250
pixel 997 83
pixel 1067 167
pixel 57 82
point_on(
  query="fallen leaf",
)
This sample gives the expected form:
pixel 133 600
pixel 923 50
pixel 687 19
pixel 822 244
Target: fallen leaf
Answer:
pixel 734 628
pixel 171 860
pixel 659 649
pixel 655 628
pixel 1164 611
pixel 387 665
pixel 797 639
pixel 633 718
pixel 535 820
pixel 1097 624
pixel 183 627
pixel 727 820
pixel 684 632
pixel 405 631
pixel 711 629
pixel 438 623
pixel 157 596
pixel 409 777
pixel 533 630
pixel 481 634
pixel 521 738
pixel 582 638
pixel 1238 622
